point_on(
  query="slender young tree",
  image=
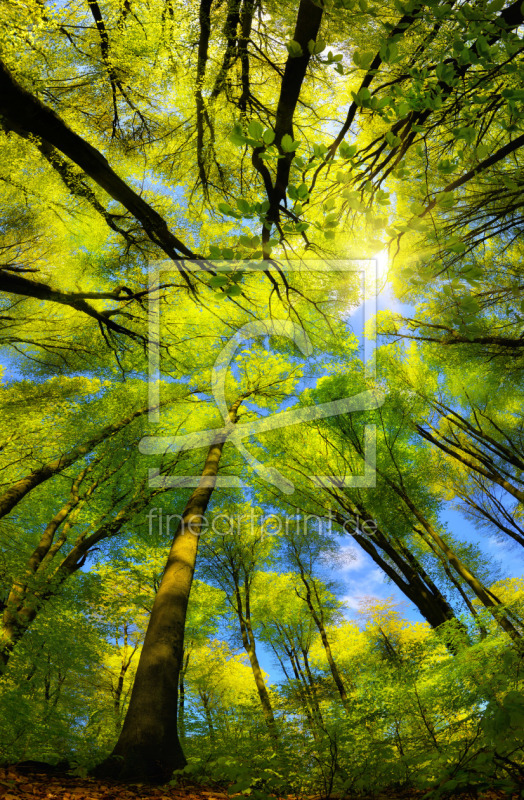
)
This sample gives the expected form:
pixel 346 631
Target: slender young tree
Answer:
pixel 232 562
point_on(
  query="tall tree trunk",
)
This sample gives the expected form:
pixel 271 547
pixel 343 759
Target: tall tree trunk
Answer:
pixel 312 686
pixel 28 116
pixel 182 699
pixel 248 640
pixel 25 601
pixel 209 719
pixel 20 488
pixel 148 749
pixel 319 622
pixel 453 580
pixel 486 598
pixel 302 688
pixel 403 569
pixel 118 691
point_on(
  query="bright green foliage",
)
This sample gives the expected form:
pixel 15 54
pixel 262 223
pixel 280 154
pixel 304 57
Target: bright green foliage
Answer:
pixel 161 164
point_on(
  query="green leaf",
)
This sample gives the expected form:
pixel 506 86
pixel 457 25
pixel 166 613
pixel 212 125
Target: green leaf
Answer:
pixel 388 52
pixel 457 247
pixel 255 129
pixel 468 134
pixel 233 290
pixel 482 151
pixel 483 47
pixel 294 49
pixel 417 224
pixel 244 206
pixel 446 200
pixel 287 144
pixel 218 280
pixel 316 47
pixel 237 137
pixel 268 137
pixel 363 58
pixel 391 139
pixel 302 191
pixel 347 150
pixel 353 199
pixel 319 149
pixel 445 73
pixel 362 97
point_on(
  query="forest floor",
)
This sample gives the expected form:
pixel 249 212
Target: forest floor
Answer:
pixel 20 783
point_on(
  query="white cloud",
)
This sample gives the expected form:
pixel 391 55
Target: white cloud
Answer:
pixel 351 559
pixel 371 584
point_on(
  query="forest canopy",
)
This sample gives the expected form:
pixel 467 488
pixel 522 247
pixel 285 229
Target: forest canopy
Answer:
pixel 207 425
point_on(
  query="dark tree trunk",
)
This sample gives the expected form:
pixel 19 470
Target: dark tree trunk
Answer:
pixel 20 488
pixel 404 569
pixel 26 115
pixel 148 749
